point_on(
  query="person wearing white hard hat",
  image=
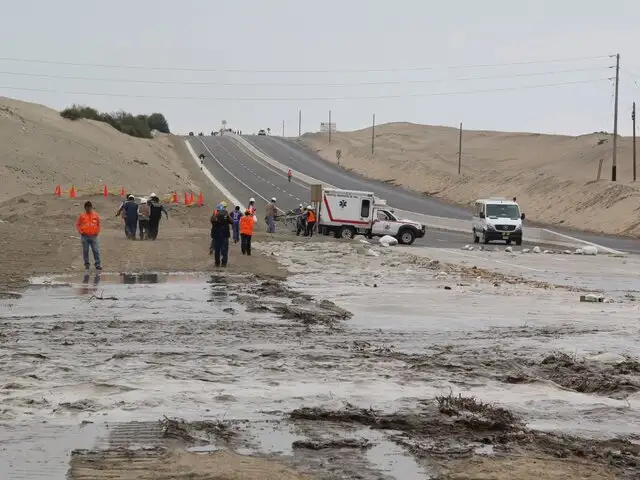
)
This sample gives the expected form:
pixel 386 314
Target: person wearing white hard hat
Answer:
pixel 271 212
pixel 144 212
pixel 311 221
pixel 252 208
pixel 129 211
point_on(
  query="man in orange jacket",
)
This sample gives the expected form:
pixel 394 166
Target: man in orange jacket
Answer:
pixel 246 232
pixel 88 226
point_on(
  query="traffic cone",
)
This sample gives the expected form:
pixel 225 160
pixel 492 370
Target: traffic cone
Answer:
pixel 191 199
pixel 174 199
pixel 72 192
pixel 122 192
pixel 200 199
pixel 58 191
pixel 105 191
pixel 186 198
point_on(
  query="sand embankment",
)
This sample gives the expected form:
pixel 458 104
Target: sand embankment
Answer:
pixel 552 176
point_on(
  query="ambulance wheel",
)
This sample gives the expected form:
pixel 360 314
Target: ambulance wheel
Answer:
pixel 406 237
pixel 348 233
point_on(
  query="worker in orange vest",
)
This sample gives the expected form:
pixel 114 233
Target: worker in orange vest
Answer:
pixel 246 232
pixel 88 226
pixel 311 221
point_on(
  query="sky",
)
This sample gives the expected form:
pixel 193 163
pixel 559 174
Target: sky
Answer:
pixel 541 66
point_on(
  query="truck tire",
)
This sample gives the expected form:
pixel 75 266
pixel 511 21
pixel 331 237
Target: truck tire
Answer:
pixel 406 236
pixel 348 233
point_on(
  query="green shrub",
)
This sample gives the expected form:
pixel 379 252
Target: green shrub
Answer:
pixel 125 122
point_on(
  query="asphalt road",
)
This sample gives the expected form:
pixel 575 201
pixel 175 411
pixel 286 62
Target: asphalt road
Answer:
pixel 246 176
pixel 303 160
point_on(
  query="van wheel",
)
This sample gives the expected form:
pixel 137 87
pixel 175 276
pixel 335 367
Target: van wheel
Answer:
pixel 508 242
pixel 348 233
pixel 519 242
pixel 476 239
pixel 406 237
pixel 485 239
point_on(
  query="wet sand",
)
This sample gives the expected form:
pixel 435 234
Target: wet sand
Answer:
pixel 392 366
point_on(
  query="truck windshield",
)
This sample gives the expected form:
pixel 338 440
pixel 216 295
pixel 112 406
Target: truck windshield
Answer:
pixel 498 210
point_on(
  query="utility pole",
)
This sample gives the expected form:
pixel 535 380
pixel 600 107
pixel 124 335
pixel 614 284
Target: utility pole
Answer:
pixel 633 118
pixel 282 128
pixel 615 122
pixel 373 134
pixel 299 123
pixel 460 149
pixel 329 126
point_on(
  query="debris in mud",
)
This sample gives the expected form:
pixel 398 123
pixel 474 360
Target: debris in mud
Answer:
pixel 101 297
pixel 360 443
pixel 324 312
pixel 189 431
pixel 477 414
pixel 616 380
pixel 273 288
pixel 79 405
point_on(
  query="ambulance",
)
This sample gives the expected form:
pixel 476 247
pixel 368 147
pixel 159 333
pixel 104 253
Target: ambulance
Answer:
pixel 347 213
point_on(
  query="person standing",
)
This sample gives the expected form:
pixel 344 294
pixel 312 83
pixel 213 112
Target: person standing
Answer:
pixel 311 221
pixel 236 215
pixel 246 232
pixel 271 213
pixel 220 223
pixel 144 211
pixel 301 221
pixel 129 211
pixel 155 215
pixel 88 226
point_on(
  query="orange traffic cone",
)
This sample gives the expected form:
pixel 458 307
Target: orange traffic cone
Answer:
pixel 105 191
pixel 72 192
pixel 186 198
pixel 174 199
pixel 200 199
pixel 191 199
pixel 58 191
pixel 122 192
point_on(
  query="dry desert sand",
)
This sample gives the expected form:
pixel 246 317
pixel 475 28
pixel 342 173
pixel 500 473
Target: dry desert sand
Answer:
pixel 552 176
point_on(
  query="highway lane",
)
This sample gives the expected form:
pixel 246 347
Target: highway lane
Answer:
pixel 301 159
pixel 246 176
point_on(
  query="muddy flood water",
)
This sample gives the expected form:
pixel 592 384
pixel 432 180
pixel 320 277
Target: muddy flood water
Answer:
pixel 362 365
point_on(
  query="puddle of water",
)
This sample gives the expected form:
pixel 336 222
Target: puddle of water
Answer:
pixel 391 459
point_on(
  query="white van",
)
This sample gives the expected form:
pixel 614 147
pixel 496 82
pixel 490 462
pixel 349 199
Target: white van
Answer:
pixel 497 219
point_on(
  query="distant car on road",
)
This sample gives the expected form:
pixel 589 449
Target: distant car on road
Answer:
pixel 262 132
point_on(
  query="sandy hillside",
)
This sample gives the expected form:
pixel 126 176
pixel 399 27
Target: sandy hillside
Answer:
pixel 552 176
pixel 39 150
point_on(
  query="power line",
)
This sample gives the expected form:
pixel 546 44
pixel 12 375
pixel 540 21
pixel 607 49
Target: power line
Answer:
pixel 369 70
pixel 228 84
pixel 284 99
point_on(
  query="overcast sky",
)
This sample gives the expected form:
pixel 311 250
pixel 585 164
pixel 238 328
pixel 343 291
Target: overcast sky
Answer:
pixel 399 52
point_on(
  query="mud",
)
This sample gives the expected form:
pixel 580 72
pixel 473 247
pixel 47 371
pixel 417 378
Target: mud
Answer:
pixel 452 427
pixel 362 367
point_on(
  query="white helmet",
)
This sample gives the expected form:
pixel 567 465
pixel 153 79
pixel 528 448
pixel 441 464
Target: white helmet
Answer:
pixel 143 200
pixel 273 199
pixel 310 207
pixel 252 199
pixel 300 205
pixel 153 195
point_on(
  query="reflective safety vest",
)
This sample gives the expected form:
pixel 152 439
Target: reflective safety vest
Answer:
pixel 246 225
pixel 88 224
pixel 311 216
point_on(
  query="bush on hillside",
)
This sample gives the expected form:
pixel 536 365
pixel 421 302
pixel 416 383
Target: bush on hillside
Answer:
pixel 134 125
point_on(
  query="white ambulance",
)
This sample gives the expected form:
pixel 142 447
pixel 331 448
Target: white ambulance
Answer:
pixel 348 213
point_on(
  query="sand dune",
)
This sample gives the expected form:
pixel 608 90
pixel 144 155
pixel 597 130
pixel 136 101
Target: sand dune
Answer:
pixel 39 149
pixel 553 176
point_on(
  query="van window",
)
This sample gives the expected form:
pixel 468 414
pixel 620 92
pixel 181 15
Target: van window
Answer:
pixel 366 207
pixel 501 210
pixel 477 209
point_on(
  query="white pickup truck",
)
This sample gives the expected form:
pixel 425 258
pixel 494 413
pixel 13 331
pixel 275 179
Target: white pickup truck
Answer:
pixel 348 213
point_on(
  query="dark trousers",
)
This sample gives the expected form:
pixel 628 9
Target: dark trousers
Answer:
pixel 309 231
pixel 154 224
pixel 301 227
pixel 143 225
pixel 220 247
pixel 130 227
pixel 245 244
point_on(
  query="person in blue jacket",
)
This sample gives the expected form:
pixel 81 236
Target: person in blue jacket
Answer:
pixel 236 215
